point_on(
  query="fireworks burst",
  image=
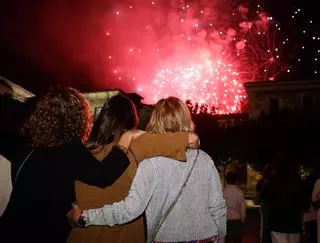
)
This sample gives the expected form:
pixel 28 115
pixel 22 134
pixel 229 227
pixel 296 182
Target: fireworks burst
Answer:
pixel 207 82
pixel 201 51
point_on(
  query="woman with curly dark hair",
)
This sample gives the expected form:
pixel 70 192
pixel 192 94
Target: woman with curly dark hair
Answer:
pixel 45 168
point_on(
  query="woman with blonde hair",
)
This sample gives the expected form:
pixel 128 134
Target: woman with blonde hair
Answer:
pixel 183 202
pixel 46 166
pixel 117 115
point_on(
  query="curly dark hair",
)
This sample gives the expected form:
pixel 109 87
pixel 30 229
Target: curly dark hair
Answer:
pixel 61 116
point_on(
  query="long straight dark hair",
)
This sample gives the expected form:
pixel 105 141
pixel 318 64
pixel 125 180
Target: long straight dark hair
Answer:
pixel 117 115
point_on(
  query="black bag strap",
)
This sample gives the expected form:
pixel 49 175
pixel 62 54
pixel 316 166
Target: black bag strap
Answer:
pixel 186 178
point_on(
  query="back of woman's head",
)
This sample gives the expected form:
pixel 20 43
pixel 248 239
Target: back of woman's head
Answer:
pixel 286 168
pixel 61 116
pixel 170 115
pixel 117 115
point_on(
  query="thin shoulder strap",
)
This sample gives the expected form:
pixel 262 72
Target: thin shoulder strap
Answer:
pixel 187 176
pixel 22 164
pixel 134 157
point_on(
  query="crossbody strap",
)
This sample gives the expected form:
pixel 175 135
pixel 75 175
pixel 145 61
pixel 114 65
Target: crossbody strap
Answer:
pixel 186 178
pixel 22 164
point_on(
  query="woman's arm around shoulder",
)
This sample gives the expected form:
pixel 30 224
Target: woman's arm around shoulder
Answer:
pixel 172 145
pixel 102 173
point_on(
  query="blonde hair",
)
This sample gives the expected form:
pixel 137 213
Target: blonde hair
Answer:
pixel 170 115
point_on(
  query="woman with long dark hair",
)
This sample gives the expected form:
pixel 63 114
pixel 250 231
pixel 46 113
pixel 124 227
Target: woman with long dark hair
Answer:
pixel 46 166
pixel 117 115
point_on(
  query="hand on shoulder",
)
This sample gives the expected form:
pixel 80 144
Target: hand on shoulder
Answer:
pixel 136 133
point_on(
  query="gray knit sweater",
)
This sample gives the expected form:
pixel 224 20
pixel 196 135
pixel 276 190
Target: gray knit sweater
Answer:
pixel 199 213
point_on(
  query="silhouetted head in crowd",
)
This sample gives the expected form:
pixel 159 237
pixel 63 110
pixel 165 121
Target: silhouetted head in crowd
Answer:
pixel 117 115
pixel 231 178
pixel 170 115
pixel 14 113
pixel 60 116
pixel 280 161
pixel 268 170
pixel 286 167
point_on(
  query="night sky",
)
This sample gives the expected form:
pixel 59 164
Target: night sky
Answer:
pixel 48 42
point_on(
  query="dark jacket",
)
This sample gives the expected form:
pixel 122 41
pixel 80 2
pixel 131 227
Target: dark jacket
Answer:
pixel 283 193
pixel 44 190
